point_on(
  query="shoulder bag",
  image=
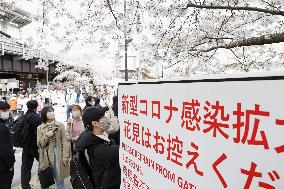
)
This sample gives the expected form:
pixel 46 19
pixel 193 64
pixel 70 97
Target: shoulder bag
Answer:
pixel 46 177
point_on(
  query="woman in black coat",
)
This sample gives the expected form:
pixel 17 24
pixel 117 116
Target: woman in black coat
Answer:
pixel 7 157
pixel 103 157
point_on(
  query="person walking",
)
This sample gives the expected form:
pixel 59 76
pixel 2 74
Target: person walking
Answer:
pixel 90 101
pixel 78 92
pixel 7 157
pixel 75 126
pixel 13 104
pixel 46 96
pixel 70 101
pixel 20 105
pixel 30 149
pixel 40 103
pixel 54 148
pixel 103 156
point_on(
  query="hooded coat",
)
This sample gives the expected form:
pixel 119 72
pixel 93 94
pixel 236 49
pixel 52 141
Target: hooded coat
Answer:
pixel 103 160
pixel 34 121
pixel 7 157
pixel 87 106
pixel 63 146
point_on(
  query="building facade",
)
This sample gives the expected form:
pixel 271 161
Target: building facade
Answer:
pixel 18 64
pixel 132 63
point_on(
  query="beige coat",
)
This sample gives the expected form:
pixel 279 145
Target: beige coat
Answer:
pixel 63 149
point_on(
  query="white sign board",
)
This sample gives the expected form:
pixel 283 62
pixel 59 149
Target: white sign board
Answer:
pixel 208 133
pixel 13 84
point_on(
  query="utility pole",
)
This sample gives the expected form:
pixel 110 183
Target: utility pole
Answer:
pixel 125 43
pixel 47 84
pixel 43 22
pixel 162 71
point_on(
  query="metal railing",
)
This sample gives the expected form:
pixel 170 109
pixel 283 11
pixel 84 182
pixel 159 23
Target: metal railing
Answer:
pixel 6 47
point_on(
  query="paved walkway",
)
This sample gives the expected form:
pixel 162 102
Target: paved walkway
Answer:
pixel 36 185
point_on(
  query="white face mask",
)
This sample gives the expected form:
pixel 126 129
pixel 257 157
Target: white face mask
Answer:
pixel 106 123
pixel 76 114
pixel 5 115
pixel 50 115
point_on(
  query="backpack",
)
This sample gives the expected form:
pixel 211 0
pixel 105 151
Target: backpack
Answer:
pixel 20 132
pixel 80 172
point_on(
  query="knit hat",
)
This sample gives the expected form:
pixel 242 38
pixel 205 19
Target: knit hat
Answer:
pixel 92 113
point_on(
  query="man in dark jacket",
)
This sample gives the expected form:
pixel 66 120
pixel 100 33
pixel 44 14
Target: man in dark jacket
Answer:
pixel 90 101
pixel 30 150
pixel 7 158
pixel 103 157
pixel 97 101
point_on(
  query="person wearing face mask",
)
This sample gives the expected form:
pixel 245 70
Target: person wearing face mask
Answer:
pixel 75 126
pixel 7 157
pixel 54 147
pixel 103 156
pixel 90 101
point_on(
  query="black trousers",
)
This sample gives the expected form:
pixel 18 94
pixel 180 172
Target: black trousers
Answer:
pixel 69 110
pixel 27 164
pixel 6 178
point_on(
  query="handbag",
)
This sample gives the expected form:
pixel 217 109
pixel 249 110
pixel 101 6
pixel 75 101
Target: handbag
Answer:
pixel 46 177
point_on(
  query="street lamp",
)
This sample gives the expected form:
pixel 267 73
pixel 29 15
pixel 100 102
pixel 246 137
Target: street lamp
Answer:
pixel 47 84
pixel 126 42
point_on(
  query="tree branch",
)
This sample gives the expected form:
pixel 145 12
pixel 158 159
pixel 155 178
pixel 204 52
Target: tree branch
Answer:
pixel 262 40
pixel 219 38
pixel 115 18
pixel 256 9
pixel 90 4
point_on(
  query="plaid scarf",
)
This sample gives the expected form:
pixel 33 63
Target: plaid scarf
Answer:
pixel 51 127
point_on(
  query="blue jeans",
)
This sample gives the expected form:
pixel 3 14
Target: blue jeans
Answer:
pixel 69 110
pixel 59 183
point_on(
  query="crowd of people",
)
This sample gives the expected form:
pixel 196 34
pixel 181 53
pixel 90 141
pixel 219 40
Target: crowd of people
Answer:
pixel 65 96
pixel 93 129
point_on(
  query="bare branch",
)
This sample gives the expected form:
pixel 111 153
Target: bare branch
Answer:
pixel 262 40
pixel 218 38
pixel 256 9
pixel 271 5
pixel 238 58
pixel 115 18
pixel 90 4
pixel 211 56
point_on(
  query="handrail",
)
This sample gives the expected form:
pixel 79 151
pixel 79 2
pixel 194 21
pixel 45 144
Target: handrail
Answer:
pixel 21 50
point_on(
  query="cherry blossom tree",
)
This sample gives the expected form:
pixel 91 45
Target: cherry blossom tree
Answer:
pixel 185 37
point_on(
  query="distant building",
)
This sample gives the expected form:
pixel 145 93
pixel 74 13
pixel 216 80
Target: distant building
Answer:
pixel 12 21
pixel 132 63
pixel 18 62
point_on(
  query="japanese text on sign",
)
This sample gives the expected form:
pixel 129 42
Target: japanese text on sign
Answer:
pixel 192 137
